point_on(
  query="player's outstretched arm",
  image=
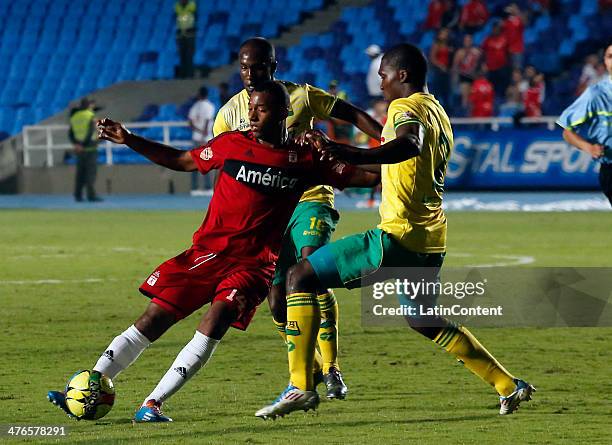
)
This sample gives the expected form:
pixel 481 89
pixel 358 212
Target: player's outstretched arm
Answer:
pixel 160 154
pixel 349 113
pixel 406 145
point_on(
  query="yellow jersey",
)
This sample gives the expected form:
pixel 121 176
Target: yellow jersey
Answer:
pixel 307 103
pixel 411 204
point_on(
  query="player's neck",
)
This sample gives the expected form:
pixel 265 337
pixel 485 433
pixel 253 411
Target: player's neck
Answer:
pixel 279 139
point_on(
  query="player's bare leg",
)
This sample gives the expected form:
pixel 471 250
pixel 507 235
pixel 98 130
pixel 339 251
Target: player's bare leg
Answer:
pixel 127 346
pixel 190 360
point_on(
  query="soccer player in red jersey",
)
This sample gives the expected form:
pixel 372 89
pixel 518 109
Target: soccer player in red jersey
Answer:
pixel 231 262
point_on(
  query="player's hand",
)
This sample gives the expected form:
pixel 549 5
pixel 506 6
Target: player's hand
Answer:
pixel 339 152
pixel 595 150
pixel 316 138
pixel 112 131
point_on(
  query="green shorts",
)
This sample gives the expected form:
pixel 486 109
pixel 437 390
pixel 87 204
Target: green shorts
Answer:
pixel 311 225
pixel 349 261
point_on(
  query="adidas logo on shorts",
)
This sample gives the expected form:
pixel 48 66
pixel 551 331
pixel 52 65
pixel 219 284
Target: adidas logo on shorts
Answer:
pixel 109 355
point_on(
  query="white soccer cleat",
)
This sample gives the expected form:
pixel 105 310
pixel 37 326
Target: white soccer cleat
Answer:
pixel 291 399
pixel 522 393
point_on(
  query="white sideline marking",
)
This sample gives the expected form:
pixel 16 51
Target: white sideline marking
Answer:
pixel 510 260
pixel 52 281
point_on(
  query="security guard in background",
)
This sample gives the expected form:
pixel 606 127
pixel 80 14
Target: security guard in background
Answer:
pixel 83 136
pixel 185 12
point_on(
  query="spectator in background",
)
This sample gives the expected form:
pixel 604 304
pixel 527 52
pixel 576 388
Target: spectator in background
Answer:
pixel 495 48
pixel 514 27
pixel 373 81
pixel 336 129
pixel 439 58
pixel 534 96
pixel 450 18
pixel 474 15
pixel 464 68
pixel 526 77
pixel 589 75
pixel 435 11
pixel 513 105
pixel 224 93
pixel 201 117
pixel 185 12
pixel 84 138
pixel 482 95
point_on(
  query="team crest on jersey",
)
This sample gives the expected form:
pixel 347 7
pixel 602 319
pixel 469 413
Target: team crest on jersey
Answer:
pixel 153 278
pixel 293 157
pixel 207 154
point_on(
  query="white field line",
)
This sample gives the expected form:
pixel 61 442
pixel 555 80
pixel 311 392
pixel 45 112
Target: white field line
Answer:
pixel 505 260
pixel 53 281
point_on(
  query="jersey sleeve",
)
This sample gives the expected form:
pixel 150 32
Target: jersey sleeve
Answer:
pixel 334 173
pixel 211 155
pixel 401 113
pixel 320 102
pixel 577 113
pixel 220 125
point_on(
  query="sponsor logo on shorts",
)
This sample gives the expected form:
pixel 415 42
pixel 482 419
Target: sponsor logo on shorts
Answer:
pixel 109 354
pixel 153 278
pixel 293 157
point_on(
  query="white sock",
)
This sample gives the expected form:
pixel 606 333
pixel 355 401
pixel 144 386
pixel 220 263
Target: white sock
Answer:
pixel 194 355
pixel 122 352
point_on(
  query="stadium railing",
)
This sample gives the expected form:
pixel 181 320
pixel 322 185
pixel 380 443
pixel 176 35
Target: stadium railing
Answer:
pixel 45 145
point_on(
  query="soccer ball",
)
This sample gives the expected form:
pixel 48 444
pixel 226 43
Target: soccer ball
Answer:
pixel 90 395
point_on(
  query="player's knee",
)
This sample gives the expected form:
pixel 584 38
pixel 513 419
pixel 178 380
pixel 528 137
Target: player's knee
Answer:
pixel 301 278
pixel 154 322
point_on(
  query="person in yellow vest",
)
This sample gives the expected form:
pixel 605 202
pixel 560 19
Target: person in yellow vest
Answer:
pixel 185 11
pixel 83 137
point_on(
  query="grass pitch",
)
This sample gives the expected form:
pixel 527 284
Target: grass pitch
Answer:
pixel 68 285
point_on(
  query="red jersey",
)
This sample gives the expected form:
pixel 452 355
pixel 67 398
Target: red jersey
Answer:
pixel 482 96
pixel 533 101
pixel 474 13
pixel 256 192
pixel 434 15
pixel 513 30
pixel 496 52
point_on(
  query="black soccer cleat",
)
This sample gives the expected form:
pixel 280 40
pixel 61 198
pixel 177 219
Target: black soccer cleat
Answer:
pixel 336 388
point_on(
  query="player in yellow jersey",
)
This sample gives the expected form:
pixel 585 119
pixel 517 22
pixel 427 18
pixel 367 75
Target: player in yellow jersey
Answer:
pixel 315 218
pixel 416 145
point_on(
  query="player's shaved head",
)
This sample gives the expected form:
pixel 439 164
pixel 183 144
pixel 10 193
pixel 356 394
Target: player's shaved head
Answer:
pixel 409 58
pixel 257 62
pixel 276 91
pixel 260 48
